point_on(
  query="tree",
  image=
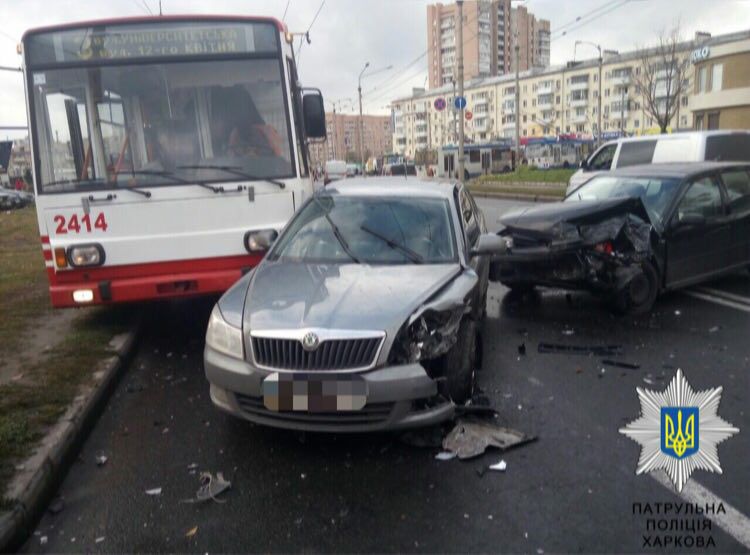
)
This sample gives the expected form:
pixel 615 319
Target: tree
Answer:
pixel 663 78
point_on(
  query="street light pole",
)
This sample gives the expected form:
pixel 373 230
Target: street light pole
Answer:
pixel 599 103
pixel 518 108
pixel 460 56
pixel 361 136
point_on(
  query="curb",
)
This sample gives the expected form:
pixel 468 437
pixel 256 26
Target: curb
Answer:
pixel 515 196
pixel 34 488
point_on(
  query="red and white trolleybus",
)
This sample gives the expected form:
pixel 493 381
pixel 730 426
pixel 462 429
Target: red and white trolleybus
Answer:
pixel 168 151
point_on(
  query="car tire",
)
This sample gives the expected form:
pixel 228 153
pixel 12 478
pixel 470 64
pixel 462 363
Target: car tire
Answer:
pixel 639 295
pixel 459 363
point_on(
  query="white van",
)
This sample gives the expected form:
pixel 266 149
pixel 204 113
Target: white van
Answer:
pixel 695 146
pixel 335 169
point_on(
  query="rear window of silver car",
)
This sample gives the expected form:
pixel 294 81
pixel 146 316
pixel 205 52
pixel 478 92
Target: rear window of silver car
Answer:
pixel 421 225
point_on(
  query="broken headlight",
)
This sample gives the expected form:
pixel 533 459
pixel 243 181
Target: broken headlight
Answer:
pixel 426 336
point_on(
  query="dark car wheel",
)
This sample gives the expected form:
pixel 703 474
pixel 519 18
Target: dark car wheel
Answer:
pixel 639 295
pixel 460 361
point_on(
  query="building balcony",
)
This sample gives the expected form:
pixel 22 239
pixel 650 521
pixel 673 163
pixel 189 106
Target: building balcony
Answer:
pixel 582 118
pixel 617 115
pixel 509 125
pixel 420 132
pixel 482 124
pixel 544 105
pixel 511 94
pixel 509 107
pixel 622 80
pixel 580 86
pixel 544 88
pixel 579 102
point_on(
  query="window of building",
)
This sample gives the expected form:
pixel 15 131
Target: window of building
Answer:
pixel 567 128
pixel 524 118
pixel 533 101
pixel 636 124
pixel 700 82
pixel 713 120
pixel 684 100
pixel 717 73
pixel 524 104
pixel 606 92
pixel 557 99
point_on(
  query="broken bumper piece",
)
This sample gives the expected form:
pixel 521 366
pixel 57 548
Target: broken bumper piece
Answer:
pixel 398 397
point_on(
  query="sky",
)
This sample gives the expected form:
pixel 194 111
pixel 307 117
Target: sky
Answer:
pixel 349 33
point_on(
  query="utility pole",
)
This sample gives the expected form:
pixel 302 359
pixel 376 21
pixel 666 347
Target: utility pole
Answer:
pixel 622 110
pixel 518 106
pixel 460 56
pixel 454 134
pixel 360 129
pixel 599 108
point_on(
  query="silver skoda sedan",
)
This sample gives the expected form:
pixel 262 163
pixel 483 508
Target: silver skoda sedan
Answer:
pixel 363 315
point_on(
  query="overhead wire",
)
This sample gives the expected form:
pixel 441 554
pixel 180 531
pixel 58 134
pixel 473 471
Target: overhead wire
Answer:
pixel 304 37
pixel 283 17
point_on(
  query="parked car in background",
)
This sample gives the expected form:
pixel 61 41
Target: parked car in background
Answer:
pixel 363 315
pixel 400 169
pixel 632 233
pixel 14 199
pixel 352 170
pixel 334 170
pixel 695 146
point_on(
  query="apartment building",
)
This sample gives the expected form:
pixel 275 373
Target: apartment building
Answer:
pixel 342 141
pixel 488 37
pixel 564 99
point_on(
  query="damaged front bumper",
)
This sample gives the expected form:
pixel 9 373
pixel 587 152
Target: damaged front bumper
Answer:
pixel 398 397
pixel 603 257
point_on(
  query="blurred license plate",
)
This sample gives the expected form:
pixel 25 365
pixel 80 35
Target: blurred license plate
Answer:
pixel 314 393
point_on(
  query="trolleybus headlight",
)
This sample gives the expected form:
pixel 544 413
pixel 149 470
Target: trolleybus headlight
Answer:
pixel 260 240
pixel 223 337
pixel 86 255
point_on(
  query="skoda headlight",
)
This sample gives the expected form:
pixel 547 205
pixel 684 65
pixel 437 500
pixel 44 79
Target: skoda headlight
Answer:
pixel 223 337
pixel 429 335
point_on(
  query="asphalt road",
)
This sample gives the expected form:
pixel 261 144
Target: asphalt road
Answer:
pixel 571 490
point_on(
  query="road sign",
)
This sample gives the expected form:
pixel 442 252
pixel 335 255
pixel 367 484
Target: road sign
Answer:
pixel 460 102
pixel 440 104
pixel 468 115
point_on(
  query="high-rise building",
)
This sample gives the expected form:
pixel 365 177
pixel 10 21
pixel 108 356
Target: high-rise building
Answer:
pixel 533 39
pixel 342 141
pixel 488 40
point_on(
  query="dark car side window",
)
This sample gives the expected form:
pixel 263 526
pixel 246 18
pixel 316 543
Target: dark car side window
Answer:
pixel 737 184
pixel 469 218
pixel 637 152
pixel 733 147
pixel 602 160
pixel 703 198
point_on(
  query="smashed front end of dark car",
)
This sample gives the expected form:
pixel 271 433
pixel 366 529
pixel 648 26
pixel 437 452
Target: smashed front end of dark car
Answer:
pixel 606 247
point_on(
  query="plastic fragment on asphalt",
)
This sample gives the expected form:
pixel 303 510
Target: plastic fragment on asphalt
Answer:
pixel 568 332
pixel 193 466
pixel 211 487
pixel 43 540
pixel 500 466
pixel 153 491
pixel 471 438
pixel 595 350
pixel 192 532
pixel 100 539
pixel 445 456
pixel 714 329
pixel 101 460
pixel 621 364
pixel 677 312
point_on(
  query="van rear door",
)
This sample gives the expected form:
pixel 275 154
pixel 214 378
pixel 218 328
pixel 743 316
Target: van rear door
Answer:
pixel 730 147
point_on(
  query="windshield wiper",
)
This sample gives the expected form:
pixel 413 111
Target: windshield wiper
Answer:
pixel 235 170
pixel 170 175
pixel 336 231
pixel 410 254
pixel 98 181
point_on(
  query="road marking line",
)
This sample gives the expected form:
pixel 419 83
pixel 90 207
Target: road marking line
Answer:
pixel 724 294
pixel 717 300
pixel 733 522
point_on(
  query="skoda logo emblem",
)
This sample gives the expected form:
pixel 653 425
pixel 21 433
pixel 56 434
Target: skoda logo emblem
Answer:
pixel 310 341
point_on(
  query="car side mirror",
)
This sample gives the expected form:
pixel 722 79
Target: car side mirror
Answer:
pixel 690 219
pixel 314 114
pixel 490 244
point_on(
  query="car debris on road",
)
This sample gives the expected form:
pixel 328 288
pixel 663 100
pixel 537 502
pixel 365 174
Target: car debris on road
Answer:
pixel 470 438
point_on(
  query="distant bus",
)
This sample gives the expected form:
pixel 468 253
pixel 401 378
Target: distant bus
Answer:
pixel 557 152
pixel 168 151
pixel 479 158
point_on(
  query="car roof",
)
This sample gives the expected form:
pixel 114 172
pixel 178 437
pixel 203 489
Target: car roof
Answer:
pixel 681 135
pixel 392 186
pixel 675 169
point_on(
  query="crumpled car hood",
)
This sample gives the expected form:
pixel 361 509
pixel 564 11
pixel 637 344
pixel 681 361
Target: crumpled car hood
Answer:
pixel 293 295
pixel 562 220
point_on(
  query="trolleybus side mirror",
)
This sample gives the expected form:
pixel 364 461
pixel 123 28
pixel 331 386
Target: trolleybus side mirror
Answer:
pixel 314 114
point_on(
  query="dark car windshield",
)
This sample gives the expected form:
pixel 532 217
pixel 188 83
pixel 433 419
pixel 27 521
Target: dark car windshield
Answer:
pixel 373 230
pixel 656 192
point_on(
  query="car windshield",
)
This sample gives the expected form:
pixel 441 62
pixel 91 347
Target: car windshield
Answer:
pixel 372 230
pixel 655 192
pixel 153 124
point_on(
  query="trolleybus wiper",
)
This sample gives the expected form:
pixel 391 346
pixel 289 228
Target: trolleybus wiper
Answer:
pixel 236 171
pixel 97 180
pixel 170 175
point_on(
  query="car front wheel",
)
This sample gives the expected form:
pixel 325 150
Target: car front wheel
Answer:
pixel 460 362
pixel 639 295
